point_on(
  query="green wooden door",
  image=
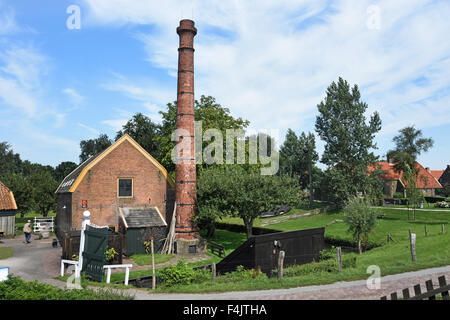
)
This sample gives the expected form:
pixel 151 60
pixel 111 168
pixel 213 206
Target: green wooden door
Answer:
pixel 94 252
pixel 135 243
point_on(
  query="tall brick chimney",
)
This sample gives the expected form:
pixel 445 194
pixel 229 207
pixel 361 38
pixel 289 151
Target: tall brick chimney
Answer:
pixel 187 233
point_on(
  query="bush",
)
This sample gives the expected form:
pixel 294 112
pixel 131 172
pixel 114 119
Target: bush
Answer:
pixel 327 254
pixel 14 288
pixel 328 265
pixel 242 274
pixel 180 274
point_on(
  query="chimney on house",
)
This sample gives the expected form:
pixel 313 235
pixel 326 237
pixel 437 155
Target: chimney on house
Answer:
pixel 187 233
pixel 428 169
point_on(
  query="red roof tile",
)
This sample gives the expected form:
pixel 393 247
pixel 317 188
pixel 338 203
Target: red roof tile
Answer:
pixel 437 173
pixel 7 201
pixel 426 179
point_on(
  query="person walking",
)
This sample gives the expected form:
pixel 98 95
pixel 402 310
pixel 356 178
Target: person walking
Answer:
pixel 27 231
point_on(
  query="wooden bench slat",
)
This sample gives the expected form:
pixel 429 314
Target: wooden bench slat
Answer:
pixel 429 285
pixel 443 283
pixel 406 293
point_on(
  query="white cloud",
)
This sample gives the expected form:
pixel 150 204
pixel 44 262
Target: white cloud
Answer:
pixel 278 57
pixel 75 98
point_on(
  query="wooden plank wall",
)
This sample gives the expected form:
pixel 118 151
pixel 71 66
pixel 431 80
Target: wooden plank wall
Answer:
pixel 7 224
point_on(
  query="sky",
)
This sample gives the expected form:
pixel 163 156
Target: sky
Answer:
pixel 64 79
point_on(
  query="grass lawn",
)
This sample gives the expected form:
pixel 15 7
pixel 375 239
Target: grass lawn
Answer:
pixel 6 252
pixel 146 259
pixel 258 221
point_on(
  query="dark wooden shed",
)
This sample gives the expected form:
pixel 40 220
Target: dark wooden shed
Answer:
pixel 300 247
pixel 139 225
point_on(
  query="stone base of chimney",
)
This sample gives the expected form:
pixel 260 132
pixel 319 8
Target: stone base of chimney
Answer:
pixel 190 246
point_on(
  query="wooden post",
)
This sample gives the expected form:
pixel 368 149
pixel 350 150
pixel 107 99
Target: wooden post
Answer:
pixel 339 257
pixel 153 266
pixel 426 233
pixel 213 272
pixel 443 228
pixel 413 246
pixel 280 264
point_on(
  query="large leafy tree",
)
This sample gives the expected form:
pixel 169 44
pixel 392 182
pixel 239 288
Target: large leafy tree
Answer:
pixel 207 110
pixel 63 169
pixel 93 147
pixel 409 144
pixel 231 190
pixel 142 129
pixel 341 124
pixel 294 160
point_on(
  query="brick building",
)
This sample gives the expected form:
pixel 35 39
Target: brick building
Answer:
pixel 122 176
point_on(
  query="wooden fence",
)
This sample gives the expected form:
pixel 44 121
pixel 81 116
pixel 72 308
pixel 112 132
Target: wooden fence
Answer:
pixel 430 294
pixel 217 249
pixel 71 245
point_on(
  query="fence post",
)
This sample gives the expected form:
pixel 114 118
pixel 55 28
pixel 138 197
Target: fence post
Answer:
pixel 213 272
pixel 443 228
pixel 280 264
pixel 86 220
pixel 153 267
pixel 339 257
pixel 413 246
pixel 426 233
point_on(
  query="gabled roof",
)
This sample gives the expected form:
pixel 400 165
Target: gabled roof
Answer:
pixel 142 217
pixel 73 179
pixel 436 173
pixel 426 179
pixel 7 201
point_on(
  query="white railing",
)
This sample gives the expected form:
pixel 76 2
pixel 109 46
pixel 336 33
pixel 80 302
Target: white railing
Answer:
pixel 71 262
pixel 43 225
pixel 115 266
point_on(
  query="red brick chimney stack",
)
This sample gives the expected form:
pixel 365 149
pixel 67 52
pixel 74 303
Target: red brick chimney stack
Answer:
pixel 186 192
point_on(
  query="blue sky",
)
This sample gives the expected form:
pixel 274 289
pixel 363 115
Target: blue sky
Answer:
pixel 268 61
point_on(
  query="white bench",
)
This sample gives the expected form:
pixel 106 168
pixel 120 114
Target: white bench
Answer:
pixel 115 266
pixel 71 262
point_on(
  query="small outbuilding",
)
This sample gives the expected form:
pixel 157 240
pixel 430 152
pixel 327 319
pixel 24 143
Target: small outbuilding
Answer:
pixel 139 226
pixel 8 209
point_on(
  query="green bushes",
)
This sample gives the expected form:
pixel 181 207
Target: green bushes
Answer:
pixel 327 265
pixel 242 274
pixel 17 289
pixel 180 274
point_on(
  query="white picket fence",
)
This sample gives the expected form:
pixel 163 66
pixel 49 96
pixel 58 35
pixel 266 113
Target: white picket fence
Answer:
pixel 43 225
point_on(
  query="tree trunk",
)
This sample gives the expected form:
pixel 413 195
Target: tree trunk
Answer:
pixel 359 244
pixel 248 227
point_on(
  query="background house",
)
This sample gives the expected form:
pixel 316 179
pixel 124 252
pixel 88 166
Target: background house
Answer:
pixel 394 181
pixel 8 208
pixel 122 176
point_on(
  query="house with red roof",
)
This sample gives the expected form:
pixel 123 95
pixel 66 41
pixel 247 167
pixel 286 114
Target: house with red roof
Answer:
pixel 395 182
pixel 8 208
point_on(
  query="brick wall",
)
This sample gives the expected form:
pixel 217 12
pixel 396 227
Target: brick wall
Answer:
pixel 100 186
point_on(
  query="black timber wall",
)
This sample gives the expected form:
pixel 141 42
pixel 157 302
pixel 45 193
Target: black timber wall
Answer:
pixel 300 247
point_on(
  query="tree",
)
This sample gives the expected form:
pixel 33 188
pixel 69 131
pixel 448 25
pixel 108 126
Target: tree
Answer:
pixel 93 147
pixel 207 110
pixel 142 129
pixel 10 162
pixel 22 190
pixel 44 197
pixel 361 218
pixel 63 169
pixel 341 124
pixel 230 190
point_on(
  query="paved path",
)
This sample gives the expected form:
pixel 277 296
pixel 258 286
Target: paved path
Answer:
pixel 35 261
pixel 354 290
